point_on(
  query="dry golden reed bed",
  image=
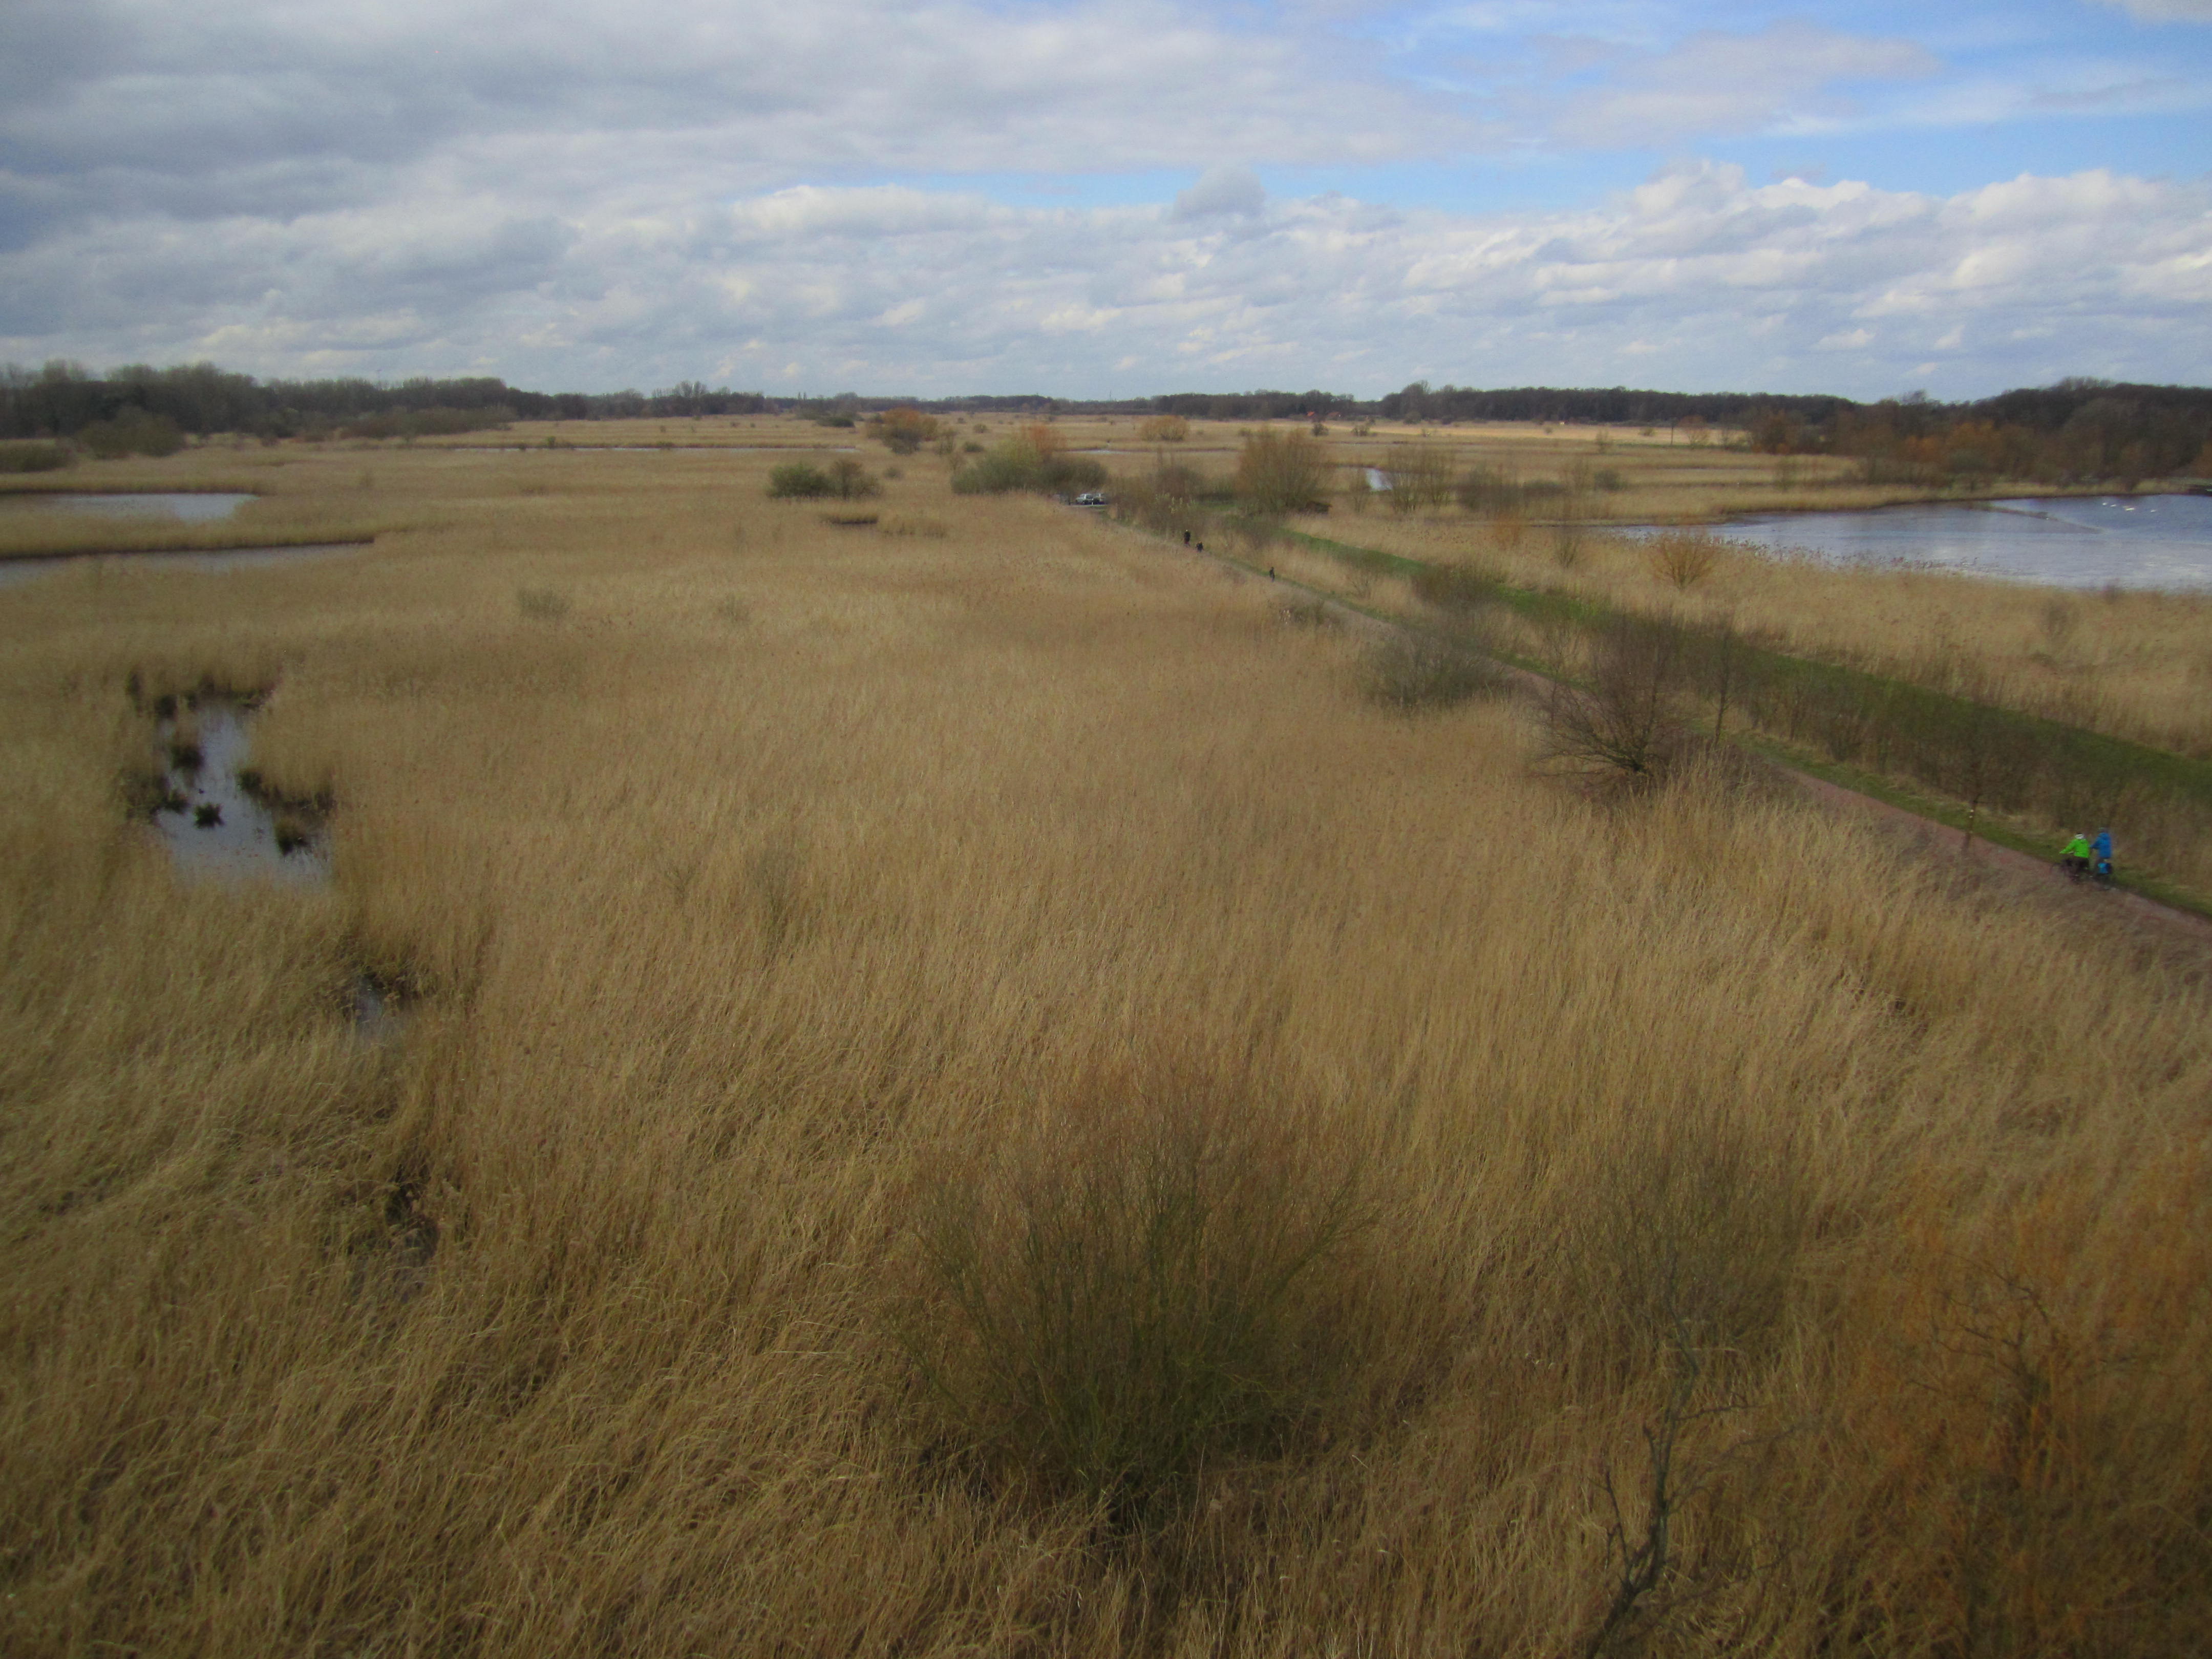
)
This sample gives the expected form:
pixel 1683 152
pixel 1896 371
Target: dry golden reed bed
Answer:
pixel 789 908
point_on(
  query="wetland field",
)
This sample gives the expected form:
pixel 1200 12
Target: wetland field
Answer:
pixel 958 1085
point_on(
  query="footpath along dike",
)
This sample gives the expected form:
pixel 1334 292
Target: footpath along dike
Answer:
pixel 1938 826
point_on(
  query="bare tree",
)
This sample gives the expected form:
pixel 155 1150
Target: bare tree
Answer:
pixel 1721 666
pixel 1628 720
pixel 1281 473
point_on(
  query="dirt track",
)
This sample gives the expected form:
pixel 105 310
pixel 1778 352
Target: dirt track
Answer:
pixel 2020 874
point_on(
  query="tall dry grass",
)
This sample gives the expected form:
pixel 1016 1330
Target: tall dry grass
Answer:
pixel 793 878
pixel 2133 664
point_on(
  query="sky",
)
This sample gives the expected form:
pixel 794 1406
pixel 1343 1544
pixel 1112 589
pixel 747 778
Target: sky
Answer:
pixel 1106 198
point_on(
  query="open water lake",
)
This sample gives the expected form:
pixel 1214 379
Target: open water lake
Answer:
pixel 2162 542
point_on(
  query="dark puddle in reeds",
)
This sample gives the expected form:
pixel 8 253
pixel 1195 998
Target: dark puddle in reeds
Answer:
pixel 220 821
pixel 211 808
pixel 22 567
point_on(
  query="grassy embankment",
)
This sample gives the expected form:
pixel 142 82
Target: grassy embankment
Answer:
pixel 2135 664
pixel 1952 750
pixel 792 908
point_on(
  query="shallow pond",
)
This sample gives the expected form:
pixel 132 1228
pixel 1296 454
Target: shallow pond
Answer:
pixel 185 506
pixel 213 826
pixel 2161 542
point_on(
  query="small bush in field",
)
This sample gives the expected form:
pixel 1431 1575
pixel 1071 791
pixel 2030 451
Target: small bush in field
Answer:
pixel 1134 1299
pixel 35 458
pixel 1464 588
pixel 1162 429
pixel 850 480
pixel 1033 460
pixel 799 481
pixel 1684 557
pixel 903 431
pixel 846 479
pixel 1281 473
pixel 1420 477
pixel 1412 672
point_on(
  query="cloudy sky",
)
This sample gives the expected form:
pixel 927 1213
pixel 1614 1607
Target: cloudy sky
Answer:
pixel 1112 197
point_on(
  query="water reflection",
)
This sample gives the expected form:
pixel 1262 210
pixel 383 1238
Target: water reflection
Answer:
pixel 213 823
pixel 229 558
pixel 2159 542
pixel 187 506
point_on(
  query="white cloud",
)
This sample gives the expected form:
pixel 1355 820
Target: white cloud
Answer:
pixel 288 105
pixel 1696 279
pixel 586 196
pixel 1222 191
pixel 1711 82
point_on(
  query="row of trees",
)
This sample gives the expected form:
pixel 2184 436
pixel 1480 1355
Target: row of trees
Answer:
pixel 2076 431
pixel 1608 406
pixel 62 399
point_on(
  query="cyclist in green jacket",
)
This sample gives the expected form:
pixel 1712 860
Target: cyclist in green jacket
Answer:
pixel 2075 858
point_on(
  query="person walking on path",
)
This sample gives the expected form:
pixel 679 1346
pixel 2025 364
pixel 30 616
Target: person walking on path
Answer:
pixel 2102 848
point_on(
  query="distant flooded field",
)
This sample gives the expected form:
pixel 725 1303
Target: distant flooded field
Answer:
pixel 184 506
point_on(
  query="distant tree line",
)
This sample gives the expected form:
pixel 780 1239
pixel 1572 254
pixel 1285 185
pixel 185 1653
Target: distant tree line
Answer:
pixel 1610 405
pixel 62 399
pixel 1255 405
pixel 2076 430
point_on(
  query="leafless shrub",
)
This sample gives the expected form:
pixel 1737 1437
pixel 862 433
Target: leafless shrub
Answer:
pixel 1420 476
pixel 1629 721
pixel 2059 621
pixel 1414 669
pixel 1683 557
pixel 1281 473
pixel 1569 538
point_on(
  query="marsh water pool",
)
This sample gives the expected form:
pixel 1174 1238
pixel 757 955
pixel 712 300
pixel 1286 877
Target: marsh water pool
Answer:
pixel 187 506
pixel 2155 542
pixel 213 823
pixel 13 570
